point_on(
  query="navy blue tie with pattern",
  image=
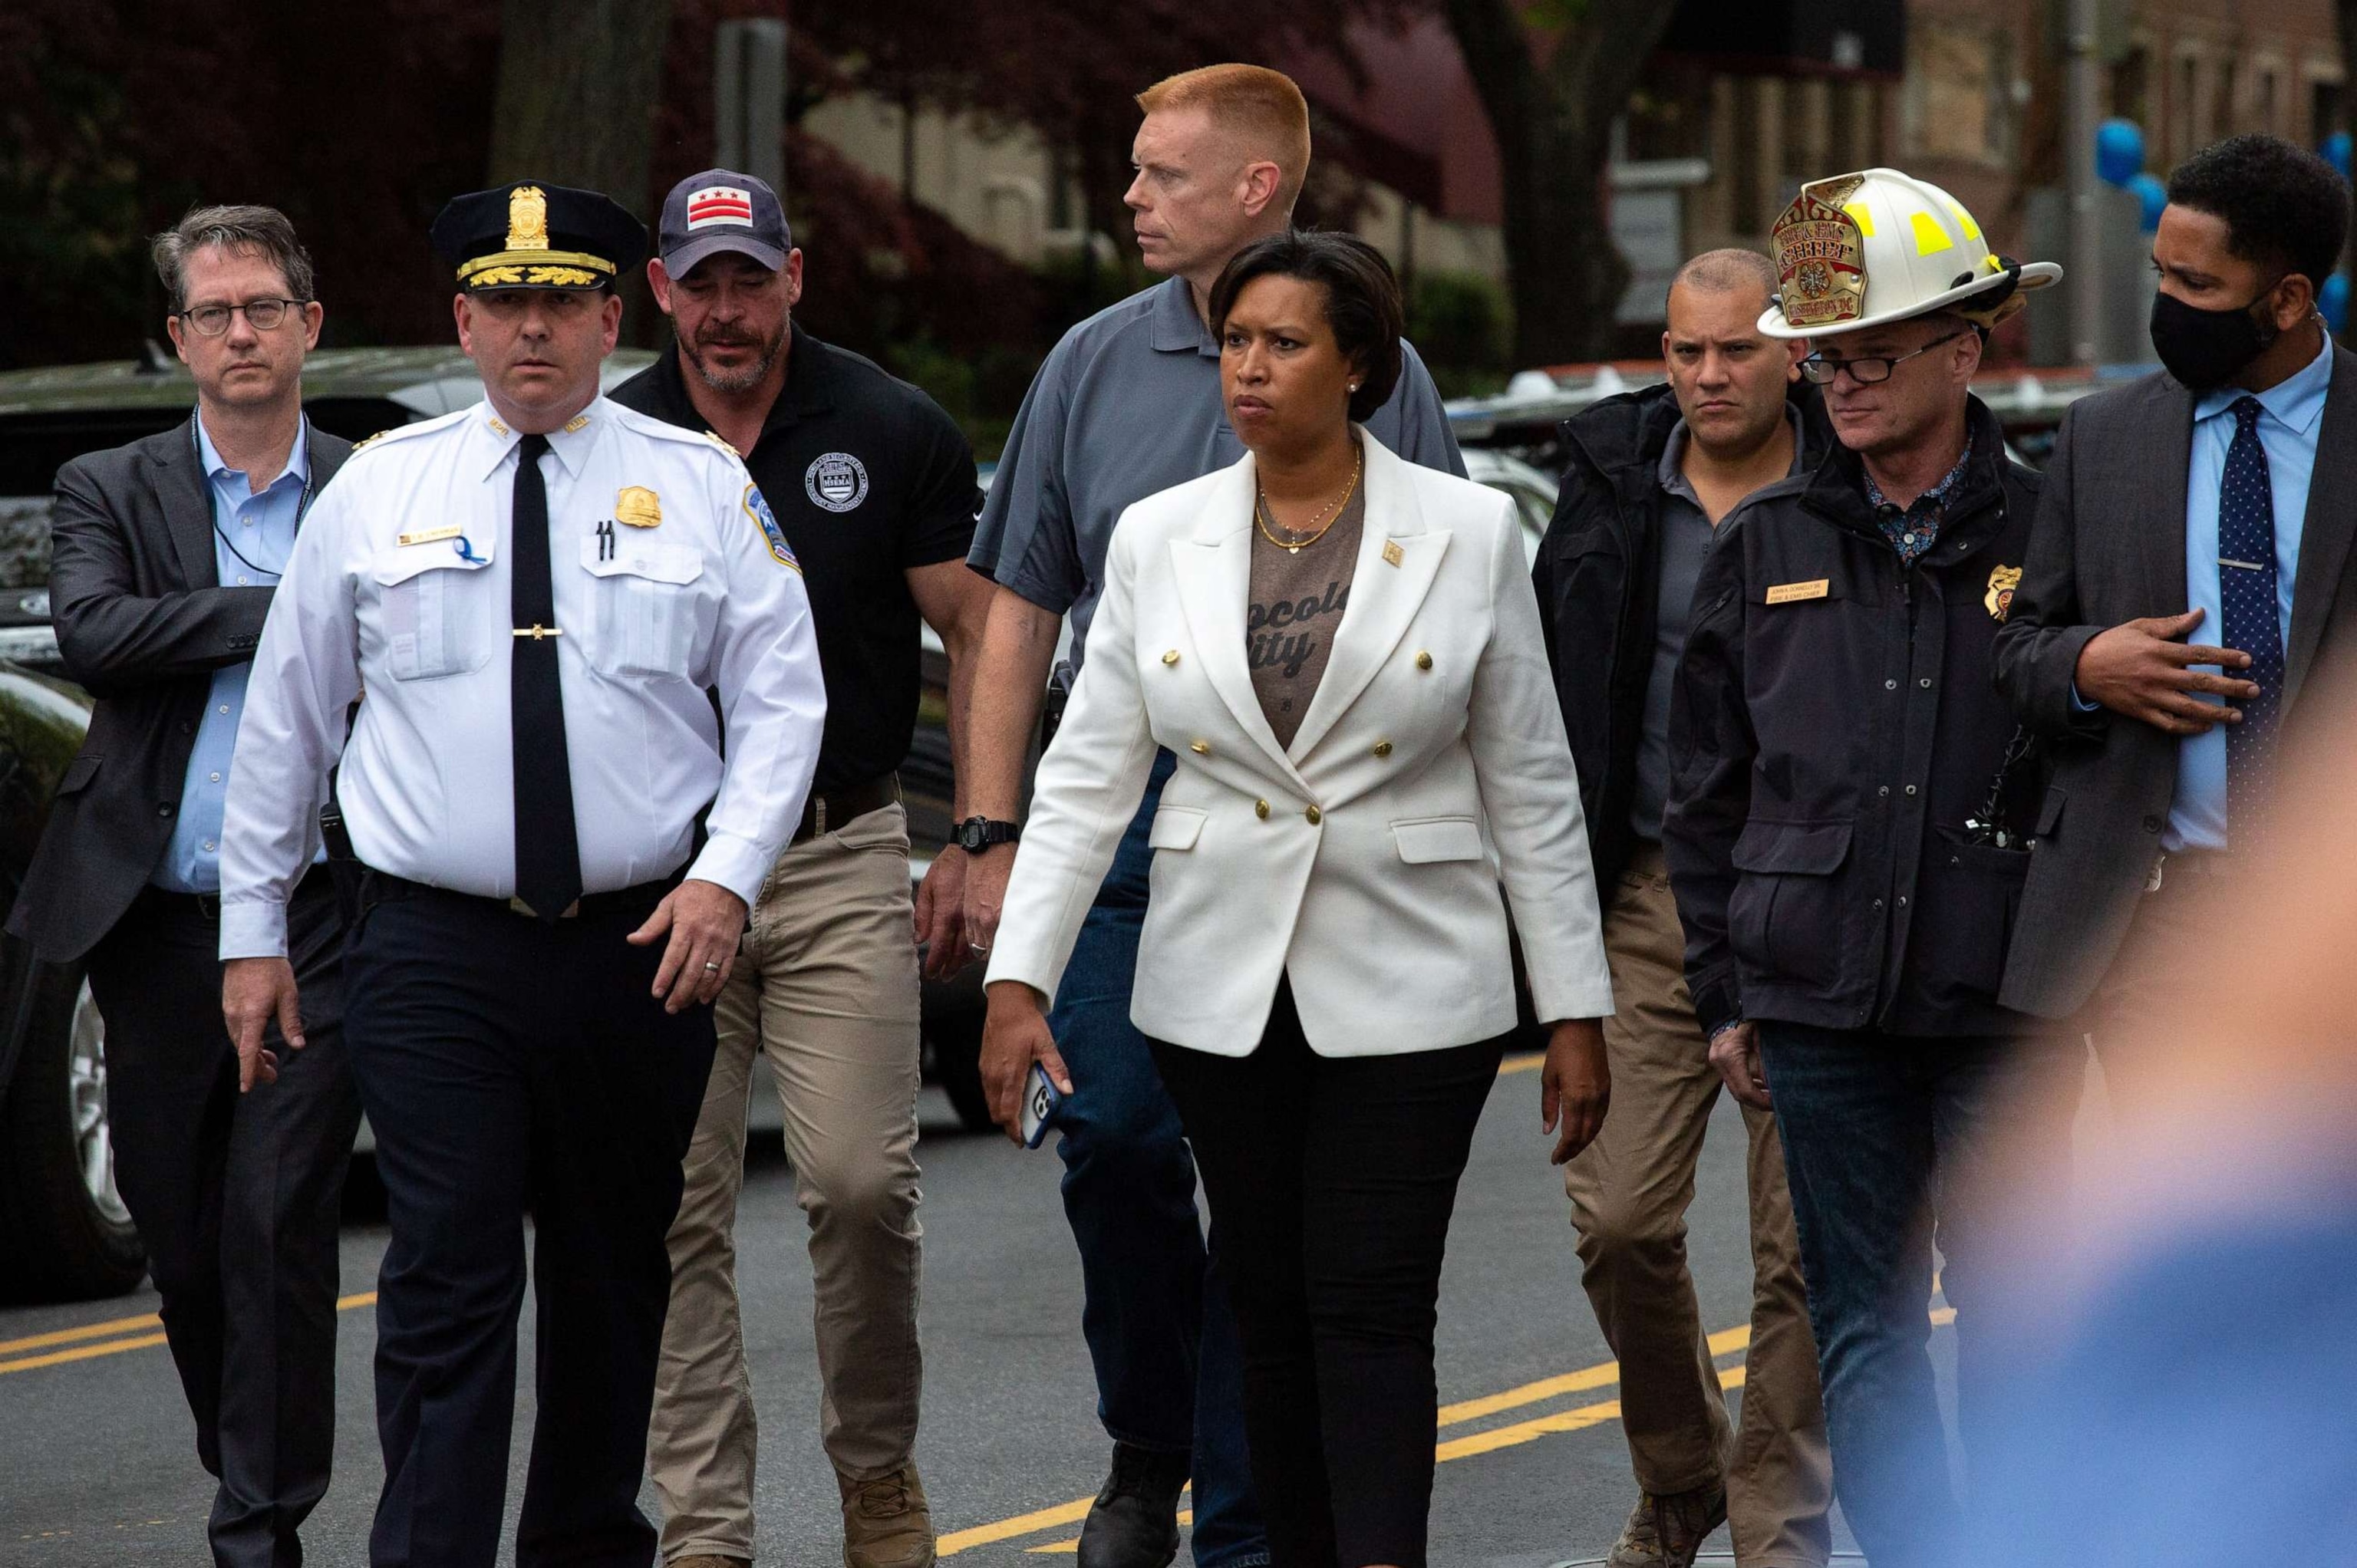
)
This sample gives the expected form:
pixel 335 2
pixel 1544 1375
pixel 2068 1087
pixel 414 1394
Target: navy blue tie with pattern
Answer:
pixel 2246 589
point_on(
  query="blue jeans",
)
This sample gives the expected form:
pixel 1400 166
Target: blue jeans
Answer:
pixel 1169 1371
pixel 1887 1141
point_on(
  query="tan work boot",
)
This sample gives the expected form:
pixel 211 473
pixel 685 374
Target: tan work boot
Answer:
pixel 705 1559
pixel 886 1523
pixel 1665 1531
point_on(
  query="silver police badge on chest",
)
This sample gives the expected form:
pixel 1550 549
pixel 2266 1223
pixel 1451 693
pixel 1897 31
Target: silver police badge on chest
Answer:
pixel 837 481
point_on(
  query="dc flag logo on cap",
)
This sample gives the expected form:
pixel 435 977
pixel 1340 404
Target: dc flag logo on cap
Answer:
pixel 718 204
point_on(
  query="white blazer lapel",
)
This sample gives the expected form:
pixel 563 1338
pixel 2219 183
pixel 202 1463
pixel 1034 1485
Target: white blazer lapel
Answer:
pixel 1385 594
pixel 1213 569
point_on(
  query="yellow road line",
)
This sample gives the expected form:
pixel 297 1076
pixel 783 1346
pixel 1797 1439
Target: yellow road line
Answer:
pixel 112 1346
pixel 1725 1342
pixel 87 1331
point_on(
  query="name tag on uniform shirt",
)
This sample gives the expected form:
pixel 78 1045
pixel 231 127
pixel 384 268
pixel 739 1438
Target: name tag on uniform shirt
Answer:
pixel 430 535
pixel 1788 592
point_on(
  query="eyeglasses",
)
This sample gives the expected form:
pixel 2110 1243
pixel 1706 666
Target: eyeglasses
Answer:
pixel 1869 370
pixel 262 314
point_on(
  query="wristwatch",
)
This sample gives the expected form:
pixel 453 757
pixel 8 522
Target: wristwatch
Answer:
pixel 978 834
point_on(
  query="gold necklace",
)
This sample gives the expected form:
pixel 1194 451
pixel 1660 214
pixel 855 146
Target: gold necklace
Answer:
pixel 1269 524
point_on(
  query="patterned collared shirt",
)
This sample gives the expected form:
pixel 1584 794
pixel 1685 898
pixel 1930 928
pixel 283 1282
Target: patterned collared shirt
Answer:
pixel 1912 529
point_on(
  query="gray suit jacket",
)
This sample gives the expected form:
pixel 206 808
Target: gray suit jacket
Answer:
pixel 2109 546
pixel 143 623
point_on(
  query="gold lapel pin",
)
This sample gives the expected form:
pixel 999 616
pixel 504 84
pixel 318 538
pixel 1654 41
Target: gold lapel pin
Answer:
pixel 1392 554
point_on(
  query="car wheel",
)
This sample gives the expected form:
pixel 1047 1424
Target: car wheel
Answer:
pixel 954 1043
pixel 65 1234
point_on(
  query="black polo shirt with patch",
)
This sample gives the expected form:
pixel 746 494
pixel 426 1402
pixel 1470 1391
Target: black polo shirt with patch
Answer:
pixel 869 478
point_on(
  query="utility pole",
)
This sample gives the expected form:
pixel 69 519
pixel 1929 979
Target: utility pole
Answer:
pixel 748 99
pixel 2085 270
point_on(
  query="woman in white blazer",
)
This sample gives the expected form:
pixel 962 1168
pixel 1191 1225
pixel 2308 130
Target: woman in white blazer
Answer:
pixel 1342 651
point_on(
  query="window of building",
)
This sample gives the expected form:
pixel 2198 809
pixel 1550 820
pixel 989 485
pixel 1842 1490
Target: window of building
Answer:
pixel 2326 110
pixel 1751 156
pixel 1960 91
pixel 2132 88
pixel 2263 107
pixel 2222 103
pixel 2184 121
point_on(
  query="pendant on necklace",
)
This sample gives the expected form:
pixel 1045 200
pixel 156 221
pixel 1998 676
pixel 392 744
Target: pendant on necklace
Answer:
pixel 1293 550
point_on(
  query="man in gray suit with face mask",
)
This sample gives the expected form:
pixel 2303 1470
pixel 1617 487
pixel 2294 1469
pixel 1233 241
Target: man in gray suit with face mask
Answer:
pixel 2186 594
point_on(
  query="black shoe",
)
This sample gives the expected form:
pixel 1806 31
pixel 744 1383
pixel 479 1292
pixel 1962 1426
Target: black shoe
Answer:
pixel 1133 1523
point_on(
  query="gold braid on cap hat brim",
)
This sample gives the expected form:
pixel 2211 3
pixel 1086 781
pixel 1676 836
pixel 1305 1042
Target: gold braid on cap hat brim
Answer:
pixel 545 269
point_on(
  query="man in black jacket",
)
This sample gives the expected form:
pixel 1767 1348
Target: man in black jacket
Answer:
pixel 165 553
pixel 1844 863
pixel 1652 474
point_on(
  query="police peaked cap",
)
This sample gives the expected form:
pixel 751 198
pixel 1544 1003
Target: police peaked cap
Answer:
pixel 532 234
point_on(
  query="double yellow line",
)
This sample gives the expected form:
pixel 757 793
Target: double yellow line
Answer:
pixel 111 1338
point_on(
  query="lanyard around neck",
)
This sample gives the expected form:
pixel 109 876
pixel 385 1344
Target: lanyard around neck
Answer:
pixel 212 492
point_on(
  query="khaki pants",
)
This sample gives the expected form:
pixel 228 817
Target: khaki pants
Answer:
pixel 1630 1191
pixel 825 985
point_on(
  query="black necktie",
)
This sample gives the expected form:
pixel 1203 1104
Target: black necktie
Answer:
pixel 547 854
pixel 2247 591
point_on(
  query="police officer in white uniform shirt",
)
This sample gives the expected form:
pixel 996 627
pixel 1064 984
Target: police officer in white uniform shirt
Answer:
pixel 531 603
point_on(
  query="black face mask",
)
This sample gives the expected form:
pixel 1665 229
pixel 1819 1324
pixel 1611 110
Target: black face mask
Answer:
pixel 2206 349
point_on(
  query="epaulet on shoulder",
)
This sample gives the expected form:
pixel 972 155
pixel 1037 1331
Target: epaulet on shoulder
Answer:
pixel 714 438
pixel 401 432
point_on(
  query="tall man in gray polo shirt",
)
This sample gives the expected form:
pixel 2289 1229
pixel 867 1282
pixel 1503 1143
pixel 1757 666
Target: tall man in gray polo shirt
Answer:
pixel 1128 404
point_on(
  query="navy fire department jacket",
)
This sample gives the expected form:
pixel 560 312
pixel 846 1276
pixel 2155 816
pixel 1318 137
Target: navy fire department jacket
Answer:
pixel 1833 731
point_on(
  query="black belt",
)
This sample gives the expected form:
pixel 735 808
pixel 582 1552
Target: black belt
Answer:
pixel 823 813
pixel 383 888
pixel 315 883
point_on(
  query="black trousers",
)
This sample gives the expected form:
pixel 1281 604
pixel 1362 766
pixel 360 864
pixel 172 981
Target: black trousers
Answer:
pixel 1331 1182
pixel 509 1066
pixel 237 1198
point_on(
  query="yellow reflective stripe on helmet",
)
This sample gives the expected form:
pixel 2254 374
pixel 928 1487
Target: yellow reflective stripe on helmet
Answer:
pixel 1863 216
pixel 1930 238
pixel 1972 229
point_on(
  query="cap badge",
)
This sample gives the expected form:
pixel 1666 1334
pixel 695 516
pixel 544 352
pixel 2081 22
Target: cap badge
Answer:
pixel 637 507
pixel 2002 583
pixel 718 204
pixel 1821 257
pixel 527 218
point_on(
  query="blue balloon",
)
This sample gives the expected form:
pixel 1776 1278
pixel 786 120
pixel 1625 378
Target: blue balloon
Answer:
pixel 2119 151
pixel 2336 152
pixel 2332 299
pixel 2151 197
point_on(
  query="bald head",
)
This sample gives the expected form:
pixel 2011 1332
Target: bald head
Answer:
pixel 1728 272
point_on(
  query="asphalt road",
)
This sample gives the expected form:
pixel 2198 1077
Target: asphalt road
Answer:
pixel 98 1464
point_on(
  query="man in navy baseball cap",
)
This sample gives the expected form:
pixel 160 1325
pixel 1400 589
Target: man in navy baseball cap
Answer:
pixel 871 486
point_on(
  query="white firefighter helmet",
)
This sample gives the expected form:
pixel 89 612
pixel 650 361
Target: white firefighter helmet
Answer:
pixel 1864 249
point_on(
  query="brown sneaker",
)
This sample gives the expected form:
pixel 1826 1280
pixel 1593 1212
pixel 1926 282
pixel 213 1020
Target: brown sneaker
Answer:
pixel 1666 1531
pixel 886 1523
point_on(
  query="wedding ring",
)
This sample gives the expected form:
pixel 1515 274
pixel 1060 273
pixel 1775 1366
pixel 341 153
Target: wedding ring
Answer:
pixel 977 949
pixel 712 967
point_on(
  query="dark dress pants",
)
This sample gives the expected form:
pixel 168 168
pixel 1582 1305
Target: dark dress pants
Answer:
pixel 511 1066
pixel 1331 1182
pixel 238 1199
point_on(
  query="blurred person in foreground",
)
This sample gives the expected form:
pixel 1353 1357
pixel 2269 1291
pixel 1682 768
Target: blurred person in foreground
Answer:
pixel 1651 475
pixel 1128 404
pixel 1342 649
pixel 2178 1394
pixel 1843 831
pixel 873 486
pixel 2191 566
pixel 167 557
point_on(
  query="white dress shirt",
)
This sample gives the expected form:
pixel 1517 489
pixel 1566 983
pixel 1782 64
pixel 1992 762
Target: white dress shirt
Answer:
pixel 398 587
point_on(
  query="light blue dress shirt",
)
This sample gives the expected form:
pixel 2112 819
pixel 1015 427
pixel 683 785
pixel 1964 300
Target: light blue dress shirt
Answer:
pixel 2292 412
pixel 253 536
